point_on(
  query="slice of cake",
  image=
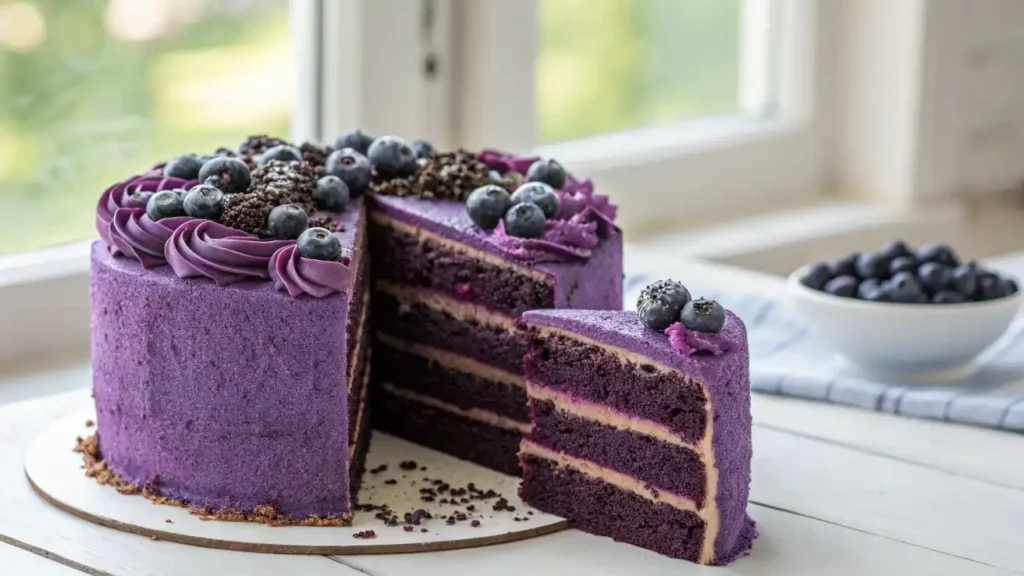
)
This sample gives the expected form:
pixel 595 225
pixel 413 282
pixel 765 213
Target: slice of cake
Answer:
pixel 641 434
pixel 230 361
pixel 449 286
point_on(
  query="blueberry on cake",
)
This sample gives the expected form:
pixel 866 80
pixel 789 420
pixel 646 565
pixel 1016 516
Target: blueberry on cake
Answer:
pixel 641 427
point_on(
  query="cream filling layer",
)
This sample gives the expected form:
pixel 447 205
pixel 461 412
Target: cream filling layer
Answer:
pixel 359 413
pixel 463 311
pixel 455 246
pixel 608 416
pixel 617 479
pixel 363 315
pixel 485 416
pixel 451 360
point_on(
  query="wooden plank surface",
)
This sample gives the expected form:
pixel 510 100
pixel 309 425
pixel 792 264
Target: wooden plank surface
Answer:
pixel 18 562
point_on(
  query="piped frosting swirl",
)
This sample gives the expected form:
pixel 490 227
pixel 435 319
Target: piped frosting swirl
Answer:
pixel 203 248
pixel 130 229
pixel 297 275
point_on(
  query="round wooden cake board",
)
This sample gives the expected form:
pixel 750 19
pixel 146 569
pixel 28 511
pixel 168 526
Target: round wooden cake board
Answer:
pixel 56 473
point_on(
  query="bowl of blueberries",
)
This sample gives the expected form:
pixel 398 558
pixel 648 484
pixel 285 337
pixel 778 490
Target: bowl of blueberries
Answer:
pixel 912 314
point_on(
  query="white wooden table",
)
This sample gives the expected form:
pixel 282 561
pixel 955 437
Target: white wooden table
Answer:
pixel 836 491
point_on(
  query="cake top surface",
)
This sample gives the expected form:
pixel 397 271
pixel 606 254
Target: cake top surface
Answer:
pixel 708 356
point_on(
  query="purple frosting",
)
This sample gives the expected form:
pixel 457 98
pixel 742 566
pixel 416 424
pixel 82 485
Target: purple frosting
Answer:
pixel 298 275
pixel 119 196
pixel 693 342
pixel 582 219
pixel 134 235
pixel 727 379
pixel 204 248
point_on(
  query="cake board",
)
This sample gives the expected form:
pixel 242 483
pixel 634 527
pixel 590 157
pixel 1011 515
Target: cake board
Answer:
pixel 56 473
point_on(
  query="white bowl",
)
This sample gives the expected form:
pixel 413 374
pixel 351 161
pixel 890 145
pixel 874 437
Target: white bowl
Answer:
pixel 912 342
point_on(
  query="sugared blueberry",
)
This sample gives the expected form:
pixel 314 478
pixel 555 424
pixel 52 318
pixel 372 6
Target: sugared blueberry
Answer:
pixel 844 286
pixel 937 252
pixel 933 277
pixel 204 201
pixel 186 166
pixel 816 276
pixel 288 221
pixel 319 244
pixel 902 264
pixel 166 204
pixel 661 303
pixel 948 297
pixel 964 279
pixel 422 148
pixel 282 153
pixel 703 315
pixel 231 175
pixel 872 265
pixel 905 288
pixel 355 139
pixel 487 205
pixel 538 193
pixel 845 266
pixel 896 249
pixel 392 157
pixel 990 286
pixel 547 171
pixel 525 221
pixel 352 167
pixel 331 193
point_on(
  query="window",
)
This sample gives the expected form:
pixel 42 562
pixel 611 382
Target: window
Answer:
pixel 92 91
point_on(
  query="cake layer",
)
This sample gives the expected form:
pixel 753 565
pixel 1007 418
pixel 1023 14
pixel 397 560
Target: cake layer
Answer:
pixel 359 363
pixel 607 510
pixel 432 318
pixel 492 442
pixel 664 466
pixel 625 381
pixel 415 257
pixel 453 379
pixel 359 438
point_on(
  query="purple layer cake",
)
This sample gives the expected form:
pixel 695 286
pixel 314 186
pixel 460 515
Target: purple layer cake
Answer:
pixel 229 370
pixel 641 435
pixel 447 369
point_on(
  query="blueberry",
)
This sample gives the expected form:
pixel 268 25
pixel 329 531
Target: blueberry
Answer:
pixel 868 288
pixel 1009 286
pixel 661 303
pixel 845 266
pixel 948 297
pixel 964 279
pixel 331 193
pixel 937 252
pixel 283 153
pixel 204 201
pixel 540 194
pixel 525 221
pixel 487 205
pixel 422 148
pixel 902 264
pixel 880 295
pixel 905 288
pixel 990 286
pixel 845 286
pixel 288 221
pixel 933 277
pixel 166 204
pixel 141 196
pixel 872 265
pixel 231 175
pixel 186 166
pixel 355 139
pixel 352 167
pixel 816 276
pixel 703 316
pixel 548 172
pixel 392 157
pixel 896 249
pixel 319 244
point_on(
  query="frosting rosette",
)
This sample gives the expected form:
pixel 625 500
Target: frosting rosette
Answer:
pixel 317 278
pixel 133 234
pixel 121 195
pixel 691 342
pixel 204 248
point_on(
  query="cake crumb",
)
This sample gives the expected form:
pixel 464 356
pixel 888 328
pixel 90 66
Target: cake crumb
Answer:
pixel 408 465
pixel 365 535
pixel 423 468
pixel 392 481
pixel 407 528
pixel 450 521
pixel 89 423
pixel 169 521
pixel 424 530
pixel 530 512
pixel 475 523
pixel 471 508
pixel 379 469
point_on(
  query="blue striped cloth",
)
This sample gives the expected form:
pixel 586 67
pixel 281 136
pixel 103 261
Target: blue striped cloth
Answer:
pixel 786 360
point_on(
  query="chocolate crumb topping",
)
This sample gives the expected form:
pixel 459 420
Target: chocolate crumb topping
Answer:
pixel 445 176
pixel 315 155
pixel 247 212
pixel 286 183
pixel 256 145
